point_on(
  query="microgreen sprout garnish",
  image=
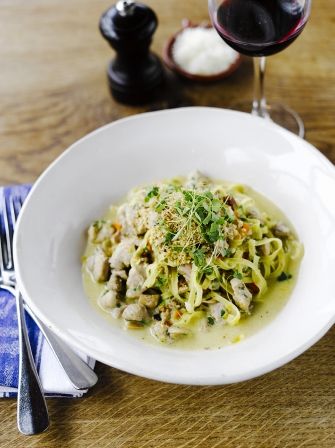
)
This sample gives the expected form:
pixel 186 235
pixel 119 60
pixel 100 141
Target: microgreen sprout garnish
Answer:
pixel 193 219
pixel 199 258
pixel 169 236
pixel 160 206
pixel 152 193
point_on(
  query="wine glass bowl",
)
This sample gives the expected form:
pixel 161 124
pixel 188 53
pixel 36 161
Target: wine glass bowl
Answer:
pixel 260 28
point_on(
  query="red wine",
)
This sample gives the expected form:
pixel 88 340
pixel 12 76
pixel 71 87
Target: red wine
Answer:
pixel 260 27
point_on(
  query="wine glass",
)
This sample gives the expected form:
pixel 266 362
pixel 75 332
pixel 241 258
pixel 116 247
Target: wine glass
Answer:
pixel 261 28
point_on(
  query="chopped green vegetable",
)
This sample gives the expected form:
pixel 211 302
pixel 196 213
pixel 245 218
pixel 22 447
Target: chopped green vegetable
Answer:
pixel 283 276
pixel 169 236
pixel 153 192
pixel 160 206
pixel 207 270
pixel 210 320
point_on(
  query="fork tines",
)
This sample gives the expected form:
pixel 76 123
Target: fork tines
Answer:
pixel 10 206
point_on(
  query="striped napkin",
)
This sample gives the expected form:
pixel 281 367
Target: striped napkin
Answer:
pixel 52 376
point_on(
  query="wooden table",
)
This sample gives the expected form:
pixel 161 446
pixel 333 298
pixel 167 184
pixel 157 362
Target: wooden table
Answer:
pixel 53 91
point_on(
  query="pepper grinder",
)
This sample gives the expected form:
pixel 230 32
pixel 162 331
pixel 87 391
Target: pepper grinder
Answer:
pixel 135 73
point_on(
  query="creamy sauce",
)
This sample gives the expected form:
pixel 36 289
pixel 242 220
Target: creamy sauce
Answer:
pixel 217 336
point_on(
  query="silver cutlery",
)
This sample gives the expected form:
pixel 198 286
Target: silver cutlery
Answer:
pixel 32 412
pixel 79 373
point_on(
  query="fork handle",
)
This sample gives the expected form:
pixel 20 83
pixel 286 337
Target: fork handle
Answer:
pixel 32 412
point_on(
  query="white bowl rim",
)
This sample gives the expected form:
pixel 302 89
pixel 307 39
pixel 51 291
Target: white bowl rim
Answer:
pixel 171 378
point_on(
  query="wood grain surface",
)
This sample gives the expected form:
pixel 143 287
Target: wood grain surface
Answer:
pixel 53 91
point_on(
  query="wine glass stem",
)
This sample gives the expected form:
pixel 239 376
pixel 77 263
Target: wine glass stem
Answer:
pixel 259 103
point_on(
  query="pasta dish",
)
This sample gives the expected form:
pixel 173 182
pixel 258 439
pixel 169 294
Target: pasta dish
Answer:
pixel 187 252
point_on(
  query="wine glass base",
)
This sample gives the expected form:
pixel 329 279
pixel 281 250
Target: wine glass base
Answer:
pixel 282 115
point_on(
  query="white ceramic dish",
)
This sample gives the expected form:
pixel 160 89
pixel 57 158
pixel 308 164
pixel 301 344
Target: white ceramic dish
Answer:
pixel 101 167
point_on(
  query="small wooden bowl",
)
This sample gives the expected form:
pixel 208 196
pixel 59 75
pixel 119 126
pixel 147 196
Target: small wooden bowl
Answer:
pixel 169 61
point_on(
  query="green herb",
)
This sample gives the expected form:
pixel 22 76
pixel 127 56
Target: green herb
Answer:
pixel 188 195
pixel 208 195
pixel 98 224
pixel 153 192
pixel 223 312
pixel 283 276
pixel 207 270
pixel 169 236
pixel 216 205
pixel 161 281
pixel 227 253
pixel 199 258
pixel 160 206
pixel 213 234
pixel 177 248
pixel 229 218
pixel 210 320
pixel 238 275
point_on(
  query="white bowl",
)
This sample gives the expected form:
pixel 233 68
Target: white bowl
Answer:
pixel 101 167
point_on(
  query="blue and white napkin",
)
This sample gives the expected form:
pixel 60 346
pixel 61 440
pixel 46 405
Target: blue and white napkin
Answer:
pixel 52 376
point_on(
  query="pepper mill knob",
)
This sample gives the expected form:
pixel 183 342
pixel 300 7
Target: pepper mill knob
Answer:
pixel 135 73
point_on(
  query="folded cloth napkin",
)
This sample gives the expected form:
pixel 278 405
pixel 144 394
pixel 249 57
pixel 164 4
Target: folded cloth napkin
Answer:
pixel 52 376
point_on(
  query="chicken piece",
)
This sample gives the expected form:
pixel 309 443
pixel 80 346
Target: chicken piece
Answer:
pixel 149 300
pixel 122 255
pixel 98 265
pixel 221 247
pixel 116 281
pixel 126 219
pixel 266 249
pixel 182 285
pixel 108 300
pixel 117 312
pixel 131 217
pixel 195 179
pixel 135 281
pixel 185 271
pixel 152 218
pixel 165 316
pixel 281 230
pixel 241 294
pixel 135 311
pixel 254 213
pixel 100 231
pixel 160 332
pixel 217 311
pixel 231 232
pixel 175 332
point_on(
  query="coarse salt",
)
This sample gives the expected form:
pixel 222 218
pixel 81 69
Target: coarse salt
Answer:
pixel 200 51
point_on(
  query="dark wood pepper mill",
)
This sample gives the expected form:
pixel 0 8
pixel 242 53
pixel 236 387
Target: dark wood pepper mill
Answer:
pixel 135 73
